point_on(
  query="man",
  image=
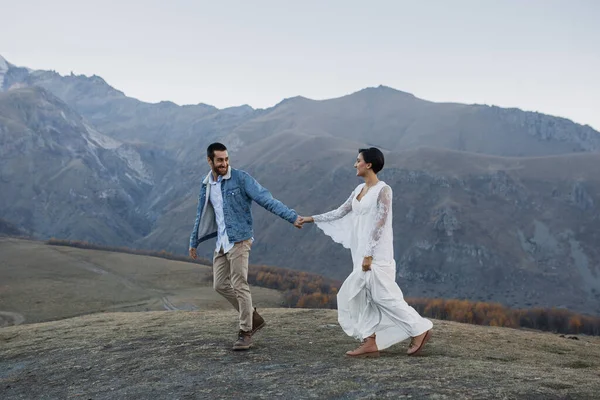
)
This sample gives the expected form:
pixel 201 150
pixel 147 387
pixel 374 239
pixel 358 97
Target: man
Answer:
pixel 224 203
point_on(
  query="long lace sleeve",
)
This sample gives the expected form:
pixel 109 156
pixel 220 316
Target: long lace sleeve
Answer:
pixel 336 214
pixel 338 224
pixel 384 207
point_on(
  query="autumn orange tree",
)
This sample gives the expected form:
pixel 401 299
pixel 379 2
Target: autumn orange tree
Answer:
pixel 494 314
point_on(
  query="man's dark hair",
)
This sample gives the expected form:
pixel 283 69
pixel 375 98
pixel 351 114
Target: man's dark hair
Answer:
pixel 373 156
pixel 210 151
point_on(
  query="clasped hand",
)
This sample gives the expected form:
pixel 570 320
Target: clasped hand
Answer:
pixel 302 220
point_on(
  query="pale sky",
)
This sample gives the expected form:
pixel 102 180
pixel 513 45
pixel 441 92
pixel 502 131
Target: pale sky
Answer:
pixel 537 55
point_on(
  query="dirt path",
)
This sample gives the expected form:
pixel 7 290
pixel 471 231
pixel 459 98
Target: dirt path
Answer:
pixel 300 354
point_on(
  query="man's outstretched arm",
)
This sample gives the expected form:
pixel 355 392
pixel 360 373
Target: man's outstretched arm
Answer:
pixel 263 197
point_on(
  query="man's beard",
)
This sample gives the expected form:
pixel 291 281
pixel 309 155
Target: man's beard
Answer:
pixel 220 171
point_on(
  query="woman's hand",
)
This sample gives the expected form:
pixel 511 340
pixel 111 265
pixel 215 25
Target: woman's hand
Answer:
pixel 303 220
pixel 366 265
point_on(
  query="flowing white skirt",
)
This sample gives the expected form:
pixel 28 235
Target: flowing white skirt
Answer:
pixel 372 302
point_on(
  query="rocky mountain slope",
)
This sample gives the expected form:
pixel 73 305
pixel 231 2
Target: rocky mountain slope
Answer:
pixel 490 203
pixel 61 177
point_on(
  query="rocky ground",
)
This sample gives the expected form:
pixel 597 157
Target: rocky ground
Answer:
pixel 299 354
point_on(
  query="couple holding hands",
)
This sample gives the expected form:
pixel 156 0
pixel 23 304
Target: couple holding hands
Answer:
pixel 371 306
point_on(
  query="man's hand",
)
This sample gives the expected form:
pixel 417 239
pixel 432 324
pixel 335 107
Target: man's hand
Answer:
pixel 299 222
pixel 302 220
pixel 193 253
pixel 366 265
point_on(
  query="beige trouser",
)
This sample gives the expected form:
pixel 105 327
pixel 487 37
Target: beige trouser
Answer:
pixel 230 280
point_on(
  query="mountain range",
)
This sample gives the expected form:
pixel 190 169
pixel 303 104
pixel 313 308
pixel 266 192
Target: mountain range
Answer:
pixel 490 203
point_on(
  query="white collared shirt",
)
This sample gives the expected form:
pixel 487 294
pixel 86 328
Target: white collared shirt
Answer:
pixel 216 199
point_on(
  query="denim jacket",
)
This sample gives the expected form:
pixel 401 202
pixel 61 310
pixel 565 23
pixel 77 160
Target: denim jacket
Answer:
pixel 238 189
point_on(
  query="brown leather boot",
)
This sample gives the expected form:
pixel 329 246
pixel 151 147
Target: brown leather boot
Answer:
pixel 368 348
pixel 244 341
pixel 257 321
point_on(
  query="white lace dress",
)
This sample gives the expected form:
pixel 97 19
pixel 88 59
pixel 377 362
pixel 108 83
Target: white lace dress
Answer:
pixel 371 302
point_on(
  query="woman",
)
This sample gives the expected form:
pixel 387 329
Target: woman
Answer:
pixel 371 306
